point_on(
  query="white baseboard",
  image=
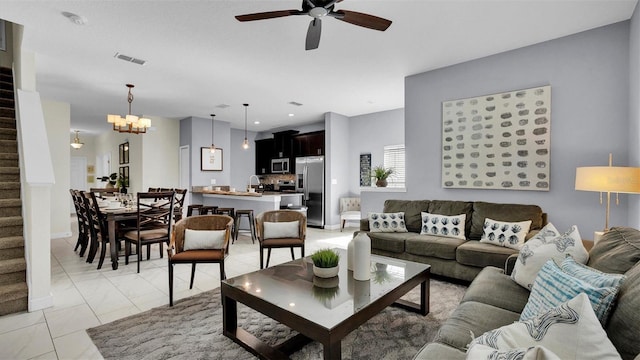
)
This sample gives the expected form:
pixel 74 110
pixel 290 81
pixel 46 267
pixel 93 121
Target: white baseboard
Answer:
pixel 40 303
pixel 332 227
pixel 61 235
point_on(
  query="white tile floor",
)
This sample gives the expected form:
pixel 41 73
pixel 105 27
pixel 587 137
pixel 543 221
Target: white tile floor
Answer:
pixel 85 297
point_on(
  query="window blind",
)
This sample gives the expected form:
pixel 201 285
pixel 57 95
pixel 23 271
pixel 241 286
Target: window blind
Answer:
pixel 394 158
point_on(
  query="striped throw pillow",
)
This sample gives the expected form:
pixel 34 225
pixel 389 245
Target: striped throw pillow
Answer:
pixel 553 287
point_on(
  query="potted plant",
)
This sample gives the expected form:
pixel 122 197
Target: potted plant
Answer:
pixel 122 183
pixel 325 263
pixel 381 174
pixel 112 180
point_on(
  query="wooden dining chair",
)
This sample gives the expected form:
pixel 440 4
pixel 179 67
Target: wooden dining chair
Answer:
pixel 102 192
pixel 199 239
pixel 97 226
pixel 153 224
pixel 181 194
pixel 83 236
pixel 280 229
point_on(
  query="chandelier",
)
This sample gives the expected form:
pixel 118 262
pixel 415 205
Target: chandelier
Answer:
pixel 131 123
pixel 76 144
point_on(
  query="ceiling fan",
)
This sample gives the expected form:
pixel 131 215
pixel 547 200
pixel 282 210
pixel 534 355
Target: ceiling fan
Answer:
pixel 318 9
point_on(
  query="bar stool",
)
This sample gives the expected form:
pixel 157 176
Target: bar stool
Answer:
pixel 201 209
pixel 252 229
pixel 208 209
pixel 190 209
pixel 226 211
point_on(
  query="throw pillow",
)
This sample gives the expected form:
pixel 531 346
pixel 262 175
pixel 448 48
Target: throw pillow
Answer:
pixel 553 287
pixel 484 352
pixel 590 275
pixel 507 234
pixel 283 229
pixel 442 225
pixel 387 222
pixel 547 244
pixel 570 330
pixel 203 239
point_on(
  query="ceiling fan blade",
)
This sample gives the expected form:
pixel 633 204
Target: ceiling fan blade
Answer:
pixel 268 15
pixel 361 19
pixel 313 34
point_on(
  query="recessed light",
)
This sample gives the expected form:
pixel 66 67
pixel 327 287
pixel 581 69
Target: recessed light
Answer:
pixel 291 115
pixel 257 122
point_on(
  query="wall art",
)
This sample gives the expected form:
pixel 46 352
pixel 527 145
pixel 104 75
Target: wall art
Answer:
pixel 498 141
pixel 209 161
pixel 365 169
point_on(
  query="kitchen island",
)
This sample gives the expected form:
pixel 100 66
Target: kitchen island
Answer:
pixel 258 202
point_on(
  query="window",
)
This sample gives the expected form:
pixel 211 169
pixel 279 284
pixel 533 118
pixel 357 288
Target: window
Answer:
pixel 394 158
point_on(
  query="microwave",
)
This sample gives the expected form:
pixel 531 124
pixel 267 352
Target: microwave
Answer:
pixel 280 166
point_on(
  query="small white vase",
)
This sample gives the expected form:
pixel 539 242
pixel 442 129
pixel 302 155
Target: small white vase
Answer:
pixel 325 272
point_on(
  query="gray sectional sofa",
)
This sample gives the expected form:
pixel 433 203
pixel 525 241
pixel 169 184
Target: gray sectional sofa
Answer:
pixel 455 258
pixel 493 300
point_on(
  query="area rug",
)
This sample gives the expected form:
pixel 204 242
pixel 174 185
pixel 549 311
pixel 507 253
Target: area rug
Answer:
pixel 192 329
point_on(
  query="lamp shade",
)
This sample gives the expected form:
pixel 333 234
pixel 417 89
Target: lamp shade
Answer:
pixel 608 179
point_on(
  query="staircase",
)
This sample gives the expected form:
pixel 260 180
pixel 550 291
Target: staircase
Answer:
pixel 13 286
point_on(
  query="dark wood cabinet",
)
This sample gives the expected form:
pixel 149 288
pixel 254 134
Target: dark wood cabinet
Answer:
pixel 309 144
pixel 283 145
pixel 264 153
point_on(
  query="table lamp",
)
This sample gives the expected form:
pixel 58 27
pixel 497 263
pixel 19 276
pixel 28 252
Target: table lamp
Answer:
pixel 608 179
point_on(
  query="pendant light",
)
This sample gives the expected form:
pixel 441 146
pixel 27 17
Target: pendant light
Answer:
pixel 213 147
pixel 130 123
pixel 245 144
pixel 76 144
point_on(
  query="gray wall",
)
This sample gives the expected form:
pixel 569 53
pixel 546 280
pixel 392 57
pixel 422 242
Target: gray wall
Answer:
pixel 336 168
pixel 370 133
pixel 589 76
pixel 634 111
pixel 196 132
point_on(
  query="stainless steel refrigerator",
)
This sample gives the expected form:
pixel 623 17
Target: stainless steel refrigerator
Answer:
pixel 310 182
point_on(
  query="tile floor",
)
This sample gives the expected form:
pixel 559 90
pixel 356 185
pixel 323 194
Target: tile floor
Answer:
pixel 85 297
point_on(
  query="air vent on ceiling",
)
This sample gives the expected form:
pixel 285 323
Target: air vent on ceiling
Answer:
pixel 295 103
pixel 223 106
pixel 129 59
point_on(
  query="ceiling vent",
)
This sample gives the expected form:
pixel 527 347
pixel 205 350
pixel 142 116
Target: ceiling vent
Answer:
pixel 223 106
pixel 129 59
pixel 295 103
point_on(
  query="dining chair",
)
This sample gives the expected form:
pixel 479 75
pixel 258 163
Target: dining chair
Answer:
pixel 199 239
pixel 181 194
pixel 280 229
pixel 153 224
pixel 102 192
pixel 97 227
pixel 83 239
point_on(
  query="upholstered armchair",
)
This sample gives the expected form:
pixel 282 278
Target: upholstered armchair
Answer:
pixel 280 229
pixel 349 210
pixel 199 239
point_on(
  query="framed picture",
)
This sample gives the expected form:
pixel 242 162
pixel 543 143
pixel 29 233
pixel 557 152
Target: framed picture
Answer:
pixel 123 151
pixel 3 36
pixel 209 161
pixel 365 169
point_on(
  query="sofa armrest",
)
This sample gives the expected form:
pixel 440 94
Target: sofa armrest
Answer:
pixel 510 264
pixel 364 224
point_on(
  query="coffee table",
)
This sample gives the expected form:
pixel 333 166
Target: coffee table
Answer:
pixel 324 310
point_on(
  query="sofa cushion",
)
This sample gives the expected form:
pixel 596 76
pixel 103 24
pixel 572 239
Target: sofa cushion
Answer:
pixel 433 245
pixel 570 330
pixel 484 352
pixel 443 225
pixel 475 318
pixel 553 286
pixel 493 287
pixel 545 246
pixel 453 208
pixel 387 222
pixel 475 253
pixel 617 251
pixel 623 328
pixel 503 212
pixel 439 351
pixel 507 234
pixel 411 209
pixel 393 242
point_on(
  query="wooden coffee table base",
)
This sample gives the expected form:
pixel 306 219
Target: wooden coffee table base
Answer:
pixel 330 338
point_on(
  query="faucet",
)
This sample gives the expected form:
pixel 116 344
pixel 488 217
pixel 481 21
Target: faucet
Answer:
pixel 250 178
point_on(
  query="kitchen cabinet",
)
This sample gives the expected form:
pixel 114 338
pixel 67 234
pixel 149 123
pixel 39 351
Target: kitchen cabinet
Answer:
pixel 283 143
pixel 264 153
pixel 309 144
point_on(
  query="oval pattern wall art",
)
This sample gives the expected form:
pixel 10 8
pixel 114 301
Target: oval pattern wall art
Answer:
pixel 498 141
